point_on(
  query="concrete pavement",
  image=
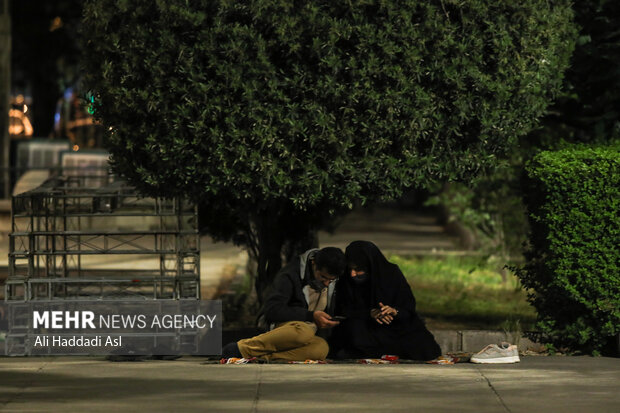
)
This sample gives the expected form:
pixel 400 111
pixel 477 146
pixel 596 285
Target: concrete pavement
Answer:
pixel 90 384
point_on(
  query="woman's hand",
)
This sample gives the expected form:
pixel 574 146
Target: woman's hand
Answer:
pixel 387 310
pixel 384 314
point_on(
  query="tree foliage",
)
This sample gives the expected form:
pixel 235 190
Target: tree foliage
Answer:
pixel 589 108
pixel 492 211
pixel 586 110
pixel 277 115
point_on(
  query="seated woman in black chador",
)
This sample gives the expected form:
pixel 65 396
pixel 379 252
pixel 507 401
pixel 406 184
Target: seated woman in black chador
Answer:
pixel 379 307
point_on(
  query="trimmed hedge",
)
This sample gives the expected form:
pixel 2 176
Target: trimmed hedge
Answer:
pixel 572 272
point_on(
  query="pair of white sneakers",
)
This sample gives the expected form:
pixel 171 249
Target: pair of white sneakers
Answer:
pixel 497 354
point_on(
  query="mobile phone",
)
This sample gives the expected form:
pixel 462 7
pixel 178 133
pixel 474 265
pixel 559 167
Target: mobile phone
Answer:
pixel 338 318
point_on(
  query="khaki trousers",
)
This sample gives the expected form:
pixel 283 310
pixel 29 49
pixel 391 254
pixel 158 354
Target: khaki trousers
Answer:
pixel 291 341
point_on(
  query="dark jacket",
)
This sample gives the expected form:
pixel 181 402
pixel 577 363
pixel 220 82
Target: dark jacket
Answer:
pixel 285 299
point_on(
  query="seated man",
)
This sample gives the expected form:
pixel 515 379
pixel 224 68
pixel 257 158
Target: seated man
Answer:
pixel 296 306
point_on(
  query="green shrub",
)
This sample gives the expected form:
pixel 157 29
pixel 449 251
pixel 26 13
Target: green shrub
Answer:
pixel 572 269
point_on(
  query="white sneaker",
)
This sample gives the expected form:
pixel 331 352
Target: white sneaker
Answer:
pixel 496 354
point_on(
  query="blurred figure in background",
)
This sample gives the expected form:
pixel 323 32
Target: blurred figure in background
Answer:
pixel 73 120
pixel 19 122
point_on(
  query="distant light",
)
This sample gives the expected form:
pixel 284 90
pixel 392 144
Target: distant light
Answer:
pixel 91 106
pixel 19 123
pixel 56 24
pixel 76 148
pixel 19 99
pixel 25 108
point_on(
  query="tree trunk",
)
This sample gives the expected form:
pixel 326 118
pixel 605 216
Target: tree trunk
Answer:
pixel 269 259
pixel 44 96
pixel 306 239
pixel 278 238
pixel 5 87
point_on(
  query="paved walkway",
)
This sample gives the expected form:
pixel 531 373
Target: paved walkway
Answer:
pixel 82 384
pixel 397 231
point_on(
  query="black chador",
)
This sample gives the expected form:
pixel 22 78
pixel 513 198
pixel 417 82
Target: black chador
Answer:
pixel 377 282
